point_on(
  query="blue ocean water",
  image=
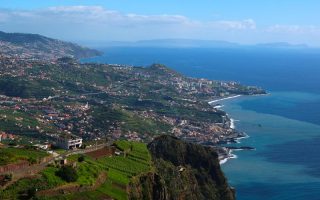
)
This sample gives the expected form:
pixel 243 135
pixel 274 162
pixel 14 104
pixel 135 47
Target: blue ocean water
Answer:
pixel 284 126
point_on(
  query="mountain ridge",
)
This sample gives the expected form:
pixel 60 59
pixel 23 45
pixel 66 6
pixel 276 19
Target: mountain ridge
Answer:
pixel 35 46
pixel 193 43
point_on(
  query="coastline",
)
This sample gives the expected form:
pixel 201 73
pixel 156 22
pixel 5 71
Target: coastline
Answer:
pixel 226 153
pixel 217 100
pixel 232 125
pixel 225 159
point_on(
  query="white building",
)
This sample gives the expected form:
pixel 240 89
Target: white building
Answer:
pixel 69 142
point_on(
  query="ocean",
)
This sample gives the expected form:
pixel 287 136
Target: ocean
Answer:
pixel 283 126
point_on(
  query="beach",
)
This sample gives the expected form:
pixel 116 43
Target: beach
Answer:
pixel 217 100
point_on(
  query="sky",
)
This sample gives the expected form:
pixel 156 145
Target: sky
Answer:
pixel 241 21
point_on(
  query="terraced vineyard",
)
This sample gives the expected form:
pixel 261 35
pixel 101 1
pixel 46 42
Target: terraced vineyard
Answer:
pixel 135 160
pixel 119 170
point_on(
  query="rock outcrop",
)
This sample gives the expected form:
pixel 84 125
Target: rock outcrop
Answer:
pixel 182 171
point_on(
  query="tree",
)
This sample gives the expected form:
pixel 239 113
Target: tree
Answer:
pixel 68 173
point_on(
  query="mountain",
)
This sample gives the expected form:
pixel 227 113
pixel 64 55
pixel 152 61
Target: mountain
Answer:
pixel 193 43
pixel 41 47
pixel 182 171
pixel 282 45
pixel 186 43
pixel 168 43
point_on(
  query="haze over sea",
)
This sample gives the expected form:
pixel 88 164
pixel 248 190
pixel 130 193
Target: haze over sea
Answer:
pixel 284 126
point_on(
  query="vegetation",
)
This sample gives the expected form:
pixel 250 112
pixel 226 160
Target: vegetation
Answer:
pixel 13 155
pixel 81 158
pixel 50 177
pixel 129 121
pixel 134 171
pixel 16 121
pixel 188 171
pixel 120 170
pixel 67 173
pixel 42 47
pixel 123 102
pixel 24 88
pixel 21 189
pixel 135 151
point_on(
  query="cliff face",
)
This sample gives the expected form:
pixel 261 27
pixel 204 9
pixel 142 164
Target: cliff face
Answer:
pixel 148 186
pixel 183 171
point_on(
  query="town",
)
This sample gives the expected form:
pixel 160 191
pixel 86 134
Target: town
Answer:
pixel 157 97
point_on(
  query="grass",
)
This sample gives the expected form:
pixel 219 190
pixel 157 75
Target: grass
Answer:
pixel 106 190
pixel 135 151
pixel 60 151
pixel 118 177
pixel 87 171
pixel 14 155
pixel 49 174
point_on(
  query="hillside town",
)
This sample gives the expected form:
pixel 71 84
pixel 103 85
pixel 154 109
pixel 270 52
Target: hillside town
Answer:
pixel 59 111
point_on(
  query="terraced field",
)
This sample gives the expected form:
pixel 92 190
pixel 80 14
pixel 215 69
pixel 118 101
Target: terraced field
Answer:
pixel 134 160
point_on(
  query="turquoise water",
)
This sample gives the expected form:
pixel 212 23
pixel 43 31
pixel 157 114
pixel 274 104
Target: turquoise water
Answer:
pixel 284 126
pixel 285 164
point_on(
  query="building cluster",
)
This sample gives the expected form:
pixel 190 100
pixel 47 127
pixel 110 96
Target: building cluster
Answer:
pixel 6 136
pixel 66 118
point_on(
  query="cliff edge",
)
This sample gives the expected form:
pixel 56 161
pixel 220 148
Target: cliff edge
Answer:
pixel 181 171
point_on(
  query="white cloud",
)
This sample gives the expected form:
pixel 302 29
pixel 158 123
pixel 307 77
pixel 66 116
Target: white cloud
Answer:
pixel 95 23
pixel 294 29
pixel 98 23
pixel 238 25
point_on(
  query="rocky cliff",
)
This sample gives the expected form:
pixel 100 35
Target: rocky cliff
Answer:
pixel 182 171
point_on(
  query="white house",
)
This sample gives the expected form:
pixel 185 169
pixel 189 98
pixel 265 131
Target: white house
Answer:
pixel 69 142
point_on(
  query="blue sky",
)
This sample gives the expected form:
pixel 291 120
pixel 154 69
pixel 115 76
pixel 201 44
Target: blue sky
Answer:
pixel 243 21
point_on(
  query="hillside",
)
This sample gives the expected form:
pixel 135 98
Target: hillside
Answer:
pixel 129 102
pixel 146 172
pixel 183 171
pixel 44 100
pixel 41 47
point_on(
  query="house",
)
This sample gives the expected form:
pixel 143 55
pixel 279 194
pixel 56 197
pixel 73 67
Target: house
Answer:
pixel 41 146
pixel 69 142
pixel 4 136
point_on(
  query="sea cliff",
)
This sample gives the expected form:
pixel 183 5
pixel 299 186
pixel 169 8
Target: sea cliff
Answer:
pixel 182 170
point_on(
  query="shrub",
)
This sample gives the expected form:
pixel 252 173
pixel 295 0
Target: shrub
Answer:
pixel 81 158
pixel 67 173
pixel 32 160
